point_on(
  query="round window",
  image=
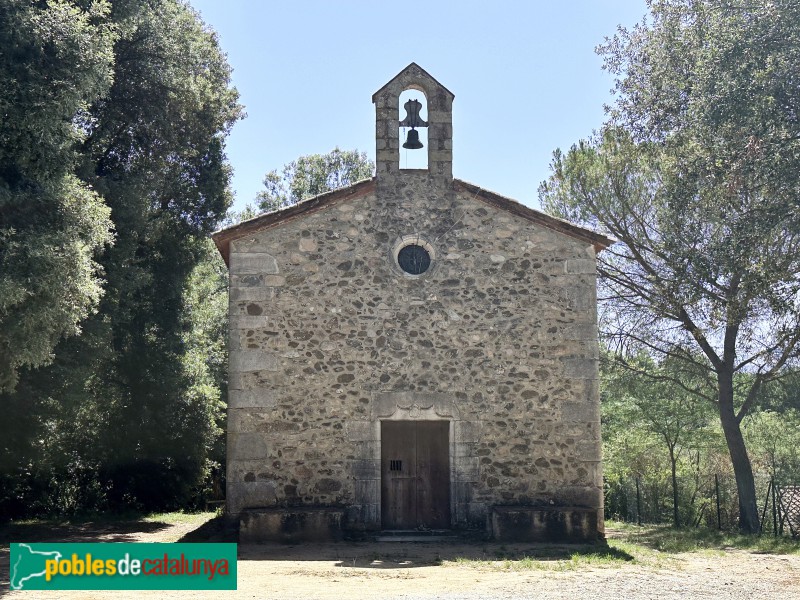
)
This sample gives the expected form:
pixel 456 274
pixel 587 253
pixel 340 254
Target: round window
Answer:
pixel 414 259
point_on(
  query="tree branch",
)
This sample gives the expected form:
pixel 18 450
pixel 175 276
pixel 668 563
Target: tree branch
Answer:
pixel 676 381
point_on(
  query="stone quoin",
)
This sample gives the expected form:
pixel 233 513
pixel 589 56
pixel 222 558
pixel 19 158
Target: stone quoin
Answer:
pixel 413 352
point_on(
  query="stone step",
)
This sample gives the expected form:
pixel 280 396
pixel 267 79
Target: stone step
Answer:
pixel 416 535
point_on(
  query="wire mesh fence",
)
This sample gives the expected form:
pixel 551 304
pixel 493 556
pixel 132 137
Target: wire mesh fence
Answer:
pixel 781 511
pixel 701 501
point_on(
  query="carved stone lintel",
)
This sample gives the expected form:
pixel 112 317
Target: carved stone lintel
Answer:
pixel 414 406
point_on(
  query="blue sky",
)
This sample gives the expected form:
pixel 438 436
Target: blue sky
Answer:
pixel 525 77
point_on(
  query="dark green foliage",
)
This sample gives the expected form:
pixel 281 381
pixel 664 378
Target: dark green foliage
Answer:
pixel 156 155
pixel 205 358
pixel 55 59
pixel 130 409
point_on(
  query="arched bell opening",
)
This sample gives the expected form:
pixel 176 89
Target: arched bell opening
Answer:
pixel 413 135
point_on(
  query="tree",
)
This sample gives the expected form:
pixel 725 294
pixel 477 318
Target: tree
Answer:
pixel 205 361
pixel 55 59
pixel 657 405
pixel 779 455
pixel 152 146
pixel 155 151
pixel 311 175
pixel 697 175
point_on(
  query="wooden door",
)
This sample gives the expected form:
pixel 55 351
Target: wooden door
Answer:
pixel 415 474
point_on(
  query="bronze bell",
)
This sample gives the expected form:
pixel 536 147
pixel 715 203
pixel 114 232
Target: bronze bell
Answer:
pixel 412 141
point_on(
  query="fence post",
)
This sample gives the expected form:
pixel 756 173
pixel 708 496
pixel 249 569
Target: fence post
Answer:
pixel 774 510
pixel 719 515
pixel 766 504
pixel 638 503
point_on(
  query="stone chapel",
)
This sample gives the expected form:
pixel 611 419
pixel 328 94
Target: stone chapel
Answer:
pixel 413 352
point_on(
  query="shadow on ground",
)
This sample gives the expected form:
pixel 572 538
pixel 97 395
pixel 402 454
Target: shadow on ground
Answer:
pixel 406 555
pixel 415 554
pixel 90 531
pixel 347 554
pixel 399 555
pixel 218 529
pixel 40 531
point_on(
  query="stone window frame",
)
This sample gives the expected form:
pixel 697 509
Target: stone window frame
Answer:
pixel 411 240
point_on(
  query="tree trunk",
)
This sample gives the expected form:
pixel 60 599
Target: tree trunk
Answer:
pixel 745 484
pixel 672 461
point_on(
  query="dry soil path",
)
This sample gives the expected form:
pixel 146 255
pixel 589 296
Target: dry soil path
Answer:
pixel 355 571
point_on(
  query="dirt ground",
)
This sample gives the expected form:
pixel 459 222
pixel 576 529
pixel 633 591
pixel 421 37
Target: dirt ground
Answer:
pixel 356 571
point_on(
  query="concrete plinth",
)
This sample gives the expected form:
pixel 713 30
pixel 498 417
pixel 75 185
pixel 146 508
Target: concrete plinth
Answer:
pixel 291 525
pixel 544 524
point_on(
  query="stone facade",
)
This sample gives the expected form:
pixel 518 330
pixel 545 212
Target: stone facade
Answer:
pixel 329 337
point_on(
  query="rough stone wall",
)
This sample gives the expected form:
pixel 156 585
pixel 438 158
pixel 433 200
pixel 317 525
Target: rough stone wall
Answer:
pixel 329 336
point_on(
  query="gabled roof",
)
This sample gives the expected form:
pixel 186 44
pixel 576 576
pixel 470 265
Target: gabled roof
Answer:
pixel 224 237
pixel 598 240
pixel 424 72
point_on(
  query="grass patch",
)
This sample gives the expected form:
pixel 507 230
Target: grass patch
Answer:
pixel 653 546
pixel 549 558
pixel 676 541
pixel 175 518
